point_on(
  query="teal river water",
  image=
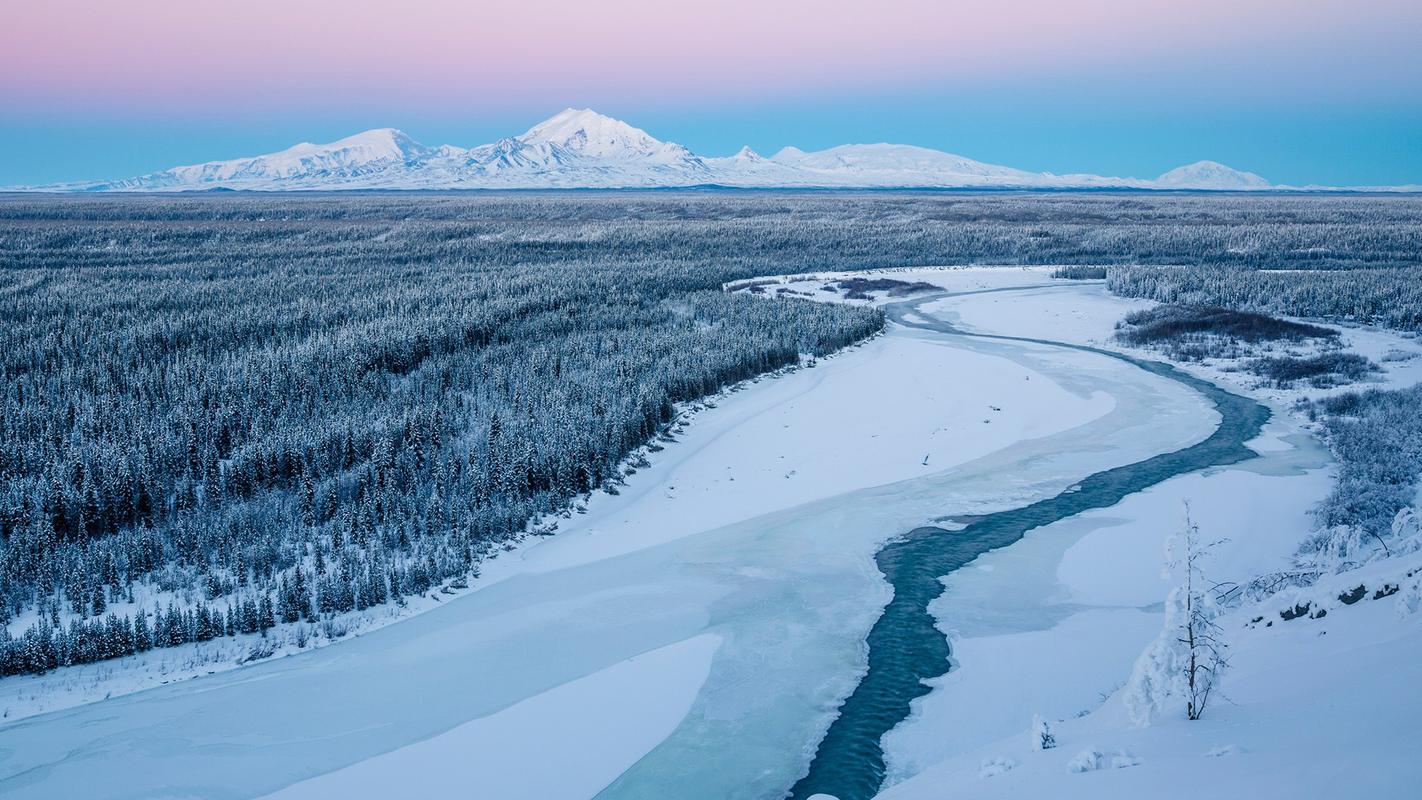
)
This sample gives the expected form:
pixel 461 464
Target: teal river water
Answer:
pixel 905 648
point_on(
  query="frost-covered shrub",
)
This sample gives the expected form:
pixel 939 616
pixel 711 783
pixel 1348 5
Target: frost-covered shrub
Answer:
pixel 1194 333
pixel 1337 548
pixel 1320 371
pixel 1407 531
pixel 859 288
pixel 1040 736
pixel 993 767
pixel 1173 322
pixel 1092 759
pixel 1409 596
pixel 1377 438
pixel 1407 540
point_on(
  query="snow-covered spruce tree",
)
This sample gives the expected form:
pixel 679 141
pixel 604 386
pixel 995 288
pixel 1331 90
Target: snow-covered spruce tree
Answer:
pixel 1184 663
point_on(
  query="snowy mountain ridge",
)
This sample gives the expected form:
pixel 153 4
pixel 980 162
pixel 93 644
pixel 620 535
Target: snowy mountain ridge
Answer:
pixel 580 148
pixel 1211 175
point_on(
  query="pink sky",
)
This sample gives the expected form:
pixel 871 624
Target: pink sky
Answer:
pixel 180 55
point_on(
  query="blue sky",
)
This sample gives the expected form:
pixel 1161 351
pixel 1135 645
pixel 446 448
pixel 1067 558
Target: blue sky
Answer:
pixel 1340 146
pixel 1299 91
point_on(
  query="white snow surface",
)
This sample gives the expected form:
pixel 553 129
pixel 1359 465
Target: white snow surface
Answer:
pixel 584 731
pixel 580 148
pixel 1314 708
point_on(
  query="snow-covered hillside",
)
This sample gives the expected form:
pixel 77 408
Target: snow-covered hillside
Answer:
pixel 1210 175
pixel 580 148
pixel 371 152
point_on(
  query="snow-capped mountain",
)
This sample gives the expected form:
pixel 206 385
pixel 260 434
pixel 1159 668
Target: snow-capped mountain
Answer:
pixel 589 134
pixel 348 159
pixel 580 148
pixel 1210 175
pixel 901 165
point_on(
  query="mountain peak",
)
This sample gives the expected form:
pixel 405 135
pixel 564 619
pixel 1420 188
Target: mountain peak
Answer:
pixel 579 117
pixel 377 145
pixel 1210 175
pixel 788 154
pixel 584 131
pixel 391 135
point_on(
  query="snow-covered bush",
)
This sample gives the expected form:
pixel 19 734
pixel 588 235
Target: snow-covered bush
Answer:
pixel 1337 548
pixel 1343 548
pixel 993 767
pixel 1409 597
pixel 1407 540
pixel 1406 531
pixel 1184 663
pixel 1377 438
pixel 1041 736
pixel 1092 759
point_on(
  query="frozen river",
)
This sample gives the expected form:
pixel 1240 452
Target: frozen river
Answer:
pixel 691 637
pixel 905 646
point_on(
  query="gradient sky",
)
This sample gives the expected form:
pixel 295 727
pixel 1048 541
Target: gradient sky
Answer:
pixel 1300 91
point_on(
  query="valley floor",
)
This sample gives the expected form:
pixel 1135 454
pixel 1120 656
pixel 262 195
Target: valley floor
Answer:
pixel 693 635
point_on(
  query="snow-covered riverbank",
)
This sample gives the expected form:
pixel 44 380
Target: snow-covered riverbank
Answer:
pixel 1052 625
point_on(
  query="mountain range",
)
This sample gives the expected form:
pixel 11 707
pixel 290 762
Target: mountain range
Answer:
pixel 580 148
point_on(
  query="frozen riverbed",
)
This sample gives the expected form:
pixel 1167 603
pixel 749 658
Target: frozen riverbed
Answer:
pixel 732 584
pixel 1051 626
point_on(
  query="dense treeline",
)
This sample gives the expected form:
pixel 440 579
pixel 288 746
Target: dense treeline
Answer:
pixel 1080 272
pixel 265 409
pixel 283 422
pixel 744 233
pixel 1377 438
pixel 1388 297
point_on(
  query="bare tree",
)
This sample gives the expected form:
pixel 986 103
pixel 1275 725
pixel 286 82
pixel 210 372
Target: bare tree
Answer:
pixel 1186 660
pixel 1202 637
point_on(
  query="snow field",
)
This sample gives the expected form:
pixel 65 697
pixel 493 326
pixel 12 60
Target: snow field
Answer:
pixel 589 746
